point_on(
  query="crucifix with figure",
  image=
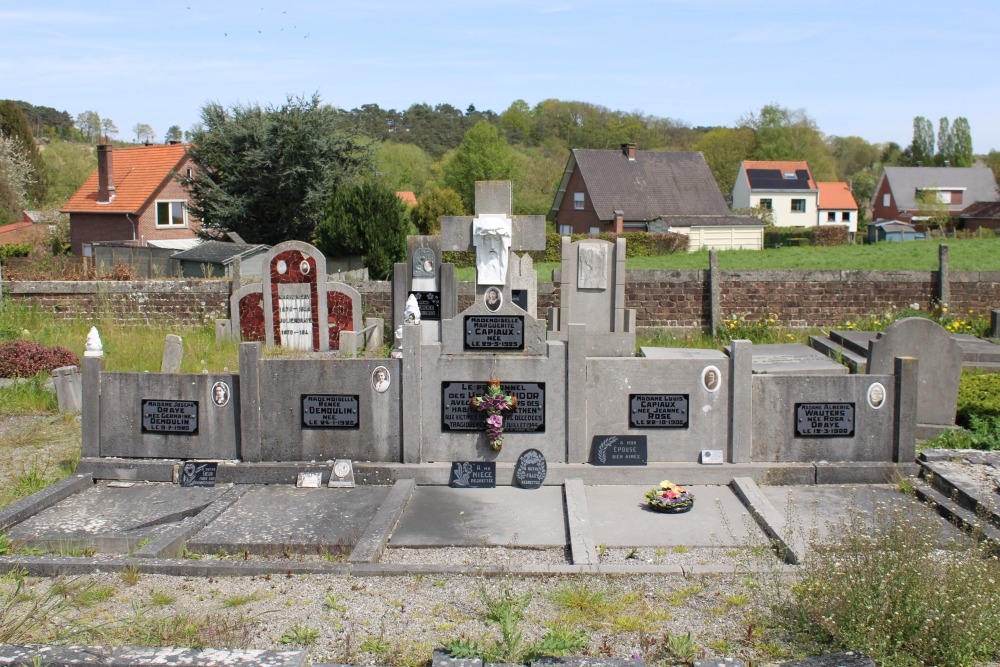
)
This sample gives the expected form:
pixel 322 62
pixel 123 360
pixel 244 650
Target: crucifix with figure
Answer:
pixel 493 232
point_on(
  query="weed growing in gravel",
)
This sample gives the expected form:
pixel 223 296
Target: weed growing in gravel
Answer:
pixel 302 635
pixel 27 615
pixel 160 599
pixel 131 575
pixel 238 600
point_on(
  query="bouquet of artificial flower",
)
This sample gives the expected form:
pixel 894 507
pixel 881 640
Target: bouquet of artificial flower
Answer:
pixel 669 498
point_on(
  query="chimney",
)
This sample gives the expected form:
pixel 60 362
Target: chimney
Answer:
pixel 629 151
pixel 619 221
pixel 105 173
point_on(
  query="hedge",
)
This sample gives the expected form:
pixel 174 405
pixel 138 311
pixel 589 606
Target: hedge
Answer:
pixel 979 396
pixel 25 358
pixel 639 244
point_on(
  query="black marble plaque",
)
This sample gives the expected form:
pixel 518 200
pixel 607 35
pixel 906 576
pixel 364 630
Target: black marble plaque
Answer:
pixel 199 473
pixel 457 413
pixel 619 450
pixel 429 304
pixel 824 420
pixel 164 416
pixel 531 469
pixel 330 411
pixel 658 410
pixel 494 332
pixel 520 298
pixel 473 475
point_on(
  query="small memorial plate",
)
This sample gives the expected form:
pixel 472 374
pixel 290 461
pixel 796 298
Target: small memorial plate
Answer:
pixel 330 411
pixel 619 450
pixel 166 416
pixel 342 475
pixel 711 457
pixel 198 473
pixel 473 475
pixel 824 420
pixel 531 469
pixel 309 480
pixel 658 410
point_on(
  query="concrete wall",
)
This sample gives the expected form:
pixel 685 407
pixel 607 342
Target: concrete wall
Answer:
pixel 774 417
pixel 121 432
pixel 610 382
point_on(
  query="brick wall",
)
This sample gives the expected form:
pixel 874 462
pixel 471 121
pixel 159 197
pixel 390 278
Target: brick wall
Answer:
pixel 182 301
pixel 672 299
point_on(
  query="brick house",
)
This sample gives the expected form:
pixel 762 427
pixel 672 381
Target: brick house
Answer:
pixel 912 194
pixel 133 196
pixel 629 190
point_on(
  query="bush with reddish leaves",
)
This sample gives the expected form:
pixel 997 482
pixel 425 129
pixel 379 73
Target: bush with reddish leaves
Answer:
pixel 26 358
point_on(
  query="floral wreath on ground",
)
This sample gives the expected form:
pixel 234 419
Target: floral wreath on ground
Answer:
pixel 493 403
pixel 669 498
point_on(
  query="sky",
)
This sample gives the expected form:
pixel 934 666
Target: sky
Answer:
pixel 856 68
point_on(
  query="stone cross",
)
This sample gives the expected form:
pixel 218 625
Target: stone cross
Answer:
pixel 493 232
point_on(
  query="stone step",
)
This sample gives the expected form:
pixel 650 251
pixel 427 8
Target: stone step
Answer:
pixel 954 512
pixel 855 341
pixel 854 361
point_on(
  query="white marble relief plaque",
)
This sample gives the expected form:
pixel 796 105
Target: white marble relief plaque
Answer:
pixel 295 316
pixel 592 266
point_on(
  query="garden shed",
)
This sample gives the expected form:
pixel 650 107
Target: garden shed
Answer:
pixel 893 230
pixel 221 259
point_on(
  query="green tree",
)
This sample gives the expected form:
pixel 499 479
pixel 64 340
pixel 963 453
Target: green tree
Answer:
pixel 144 132
pixel 173 134
pixel 961 143
pixel 14 125
pixel 944 149
pixel 783 134
pixel 403 166
pixel 863 189
pixel 516 121
pixel 268 173
pixel 89 124
pixel 993 162
pixel 108 127
pixel 426 215
pixel 368 220
pixel 724 149
pixel 483 155
pixel 853 154
pixel 15 175
pixel 922 147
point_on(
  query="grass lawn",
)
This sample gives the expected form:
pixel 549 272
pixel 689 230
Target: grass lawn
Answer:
pixel 964 255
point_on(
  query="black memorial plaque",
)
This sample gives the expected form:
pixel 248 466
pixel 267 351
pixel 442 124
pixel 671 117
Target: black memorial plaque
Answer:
pixel 824 420
pixel 429 304
pixel 329 411
pixel 531 469
pixel 619 450
pixel 494 332
pixel 199 473
pixel 457 413
pixel 520 298
pixel 164 416
pixel 473 475
pixel 658 410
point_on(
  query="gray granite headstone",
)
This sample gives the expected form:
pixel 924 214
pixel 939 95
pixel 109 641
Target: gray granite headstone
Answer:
pixel 173 354
pixel 939 365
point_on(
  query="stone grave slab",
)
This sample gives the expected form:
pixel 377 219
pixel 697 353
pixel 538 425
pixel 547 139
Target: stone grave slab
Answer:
pixel 817 512
pixel 504 516
pixel 976 349
pixel 856 341
pixel 273 519
pixel 620 519
pixel 114 519
pixel 695 353
pixel 793 359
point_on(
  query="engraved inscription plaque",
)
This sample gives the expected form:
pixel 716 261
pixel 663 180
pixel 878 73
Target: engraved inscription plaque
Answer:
pixel 329 411
pixel 494 332
pixel 824 420
pixel 164 416
pixel 658 410
pixel 457 413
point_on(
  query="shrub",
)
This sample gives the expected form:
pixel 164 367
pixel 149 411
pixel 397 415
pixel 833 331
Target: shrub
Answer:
pixel 26 358
pixel 978 396
pixel 15 250
pixel 775 237
pixel 830 235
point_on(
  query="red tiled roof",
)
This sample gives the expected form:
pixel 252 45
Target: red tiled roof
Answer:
pixel 407 197
pixel 138 173
pixel 781 165
pixel 835 195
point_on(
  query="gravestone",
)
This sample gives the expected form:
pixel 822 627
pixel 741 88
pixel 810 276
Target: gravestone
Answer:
pixel 294 306
pixel 592 293
pixel 792 359
pixel 173 354
pixel 430 281
pixel 939 365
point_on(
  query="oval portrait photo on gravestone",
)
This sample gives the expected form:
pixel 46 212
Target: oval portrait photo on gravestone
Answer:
pixel 876 395
pixel 380 379
pixel 493 299
pixel 220 394
pixel 711 378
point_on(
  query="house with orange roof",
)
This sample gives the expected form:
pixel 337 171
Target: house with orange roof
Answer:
pixel 837 206
pixel 134 197
pixel 784 187
pixel 407 197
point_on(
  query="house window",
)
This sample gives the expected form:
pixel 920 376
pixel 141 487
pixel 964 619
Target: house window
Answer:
pixel 171 214
pixel 189 172
pixel 789 175
pixel 766 204
pixel 846 216
pixel 565 230
pixel 595 230
pixel 886 198
pixel 831 216
pixel 578 201
pixel 798 206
